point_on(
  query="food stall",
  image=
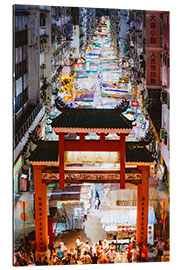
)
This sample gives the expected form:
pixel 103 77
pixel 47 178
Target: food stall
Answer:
pixel 119 223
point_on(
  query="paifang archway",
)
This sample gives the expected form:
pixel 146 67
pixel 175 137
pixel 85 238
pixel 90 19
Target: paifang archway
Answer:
pixel 83 121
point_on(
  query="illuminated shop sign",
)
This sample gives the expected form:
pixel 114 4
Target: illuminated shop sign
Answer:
pixel 91 157
pixel 18 166
pixel 79 66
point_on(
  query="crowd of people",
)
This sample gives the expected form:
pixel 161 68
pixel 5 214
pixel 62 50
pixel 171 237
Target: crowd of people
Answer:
pixel 82 253
pixel 101 252
pixel 137 253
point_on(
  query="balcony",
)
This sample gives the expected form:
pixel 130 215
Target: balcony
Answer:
pixel 21 126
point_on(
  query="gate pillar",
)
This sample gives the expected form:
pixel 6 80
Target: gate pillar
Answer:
pixel 61 160
pixel 142 206
pixel 41 213
pixel 122 159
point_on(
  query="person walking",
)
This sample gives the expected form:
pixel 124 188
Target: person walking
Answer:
pixel 96 203
pixel 99 202
pixel 96 194
pixel 78 246
pixel 160 247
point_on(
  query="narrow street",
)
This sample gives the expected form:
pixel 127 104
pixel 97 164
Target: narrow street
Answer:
pixel 80 72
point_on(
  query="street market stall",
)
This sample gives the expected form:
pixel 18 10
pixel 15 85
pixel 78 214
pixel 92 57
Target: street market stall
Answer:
pixel 70 215
pixel 119 223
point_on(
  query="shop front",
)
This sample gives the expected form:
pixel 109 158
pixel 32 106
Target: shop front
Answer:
pixel 119 223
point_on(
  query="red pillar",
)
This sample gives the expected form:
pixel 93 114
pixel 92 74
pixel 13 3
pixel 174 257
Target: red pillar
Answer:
pixel 51 233
pixel 61 160
pixel 122 160
pixel 82 137
pixel 142 206
pixel 41 213
pixel 102 137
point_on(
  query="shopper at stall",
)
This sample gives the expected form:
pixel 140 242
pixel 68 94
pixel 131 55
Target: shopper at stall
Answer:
pixel 160 247
pixel 111 255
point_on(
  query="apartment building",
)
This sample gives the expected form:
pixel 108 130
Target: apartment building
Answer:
pixel 27 109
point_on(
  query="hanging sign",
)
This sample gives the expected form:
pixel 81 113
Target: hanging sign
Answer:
pixel 134 103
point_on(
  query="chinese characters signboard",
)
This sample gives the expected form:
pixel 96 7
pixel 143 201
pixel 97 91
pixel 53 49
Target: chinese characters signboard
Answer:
pixel 153 48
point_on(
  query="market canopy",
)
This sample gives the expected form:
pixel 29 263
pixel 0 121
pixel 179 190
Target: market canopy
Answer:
pixel 124 215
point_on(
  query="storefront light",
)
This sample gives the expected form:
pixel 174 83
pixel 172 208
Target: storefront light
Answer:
pixel 18 166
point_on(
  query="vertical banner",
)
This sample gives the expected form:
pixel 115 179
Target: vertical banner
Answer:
pixel 153 29
pixel 153 68
pixel 153 44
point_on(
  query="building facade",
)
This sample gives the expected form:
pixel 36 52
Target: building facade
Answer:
pixel 27 110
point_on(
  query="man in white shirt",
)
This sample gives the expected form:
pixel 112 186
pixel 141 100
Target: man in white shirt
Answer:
pixel 111 254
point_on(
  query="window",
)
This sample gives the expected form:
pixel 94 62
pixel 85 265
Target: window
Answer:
pixel 18 55
pixel 42 20
pixel 18 86
pixel 164 97
pixel 24 52
pixel 25 79
pixel 165 138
